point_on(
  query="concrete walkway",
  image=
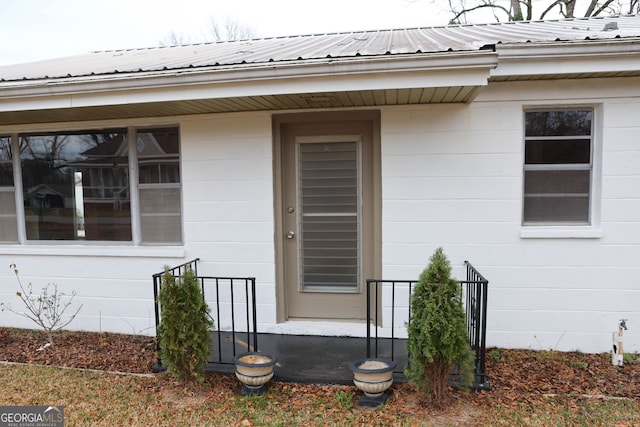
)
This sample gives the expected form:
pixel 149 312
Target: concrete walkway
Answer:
pixel 309 359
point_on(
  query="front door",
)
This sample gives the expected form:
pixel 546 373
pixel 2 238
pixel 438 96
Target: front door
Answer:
pixel 328 218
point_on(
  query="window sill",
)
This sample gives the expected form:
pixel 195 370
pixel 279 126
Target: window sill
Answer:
pixel 560 232
pixel 94 251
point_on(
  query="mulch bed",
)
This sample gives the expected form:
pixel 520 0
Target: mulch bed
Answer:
pixel 514 375
pixel 521 375
pixel 90 350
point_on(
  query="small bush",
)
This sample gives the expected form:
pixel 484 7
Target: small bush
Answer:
pixel 437 331
pixel 46 309
pixel 184 326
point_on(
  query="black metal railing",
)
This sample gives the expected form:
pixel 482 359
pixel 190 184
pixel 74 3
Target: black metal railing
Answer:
pixel 232 305
pixel 474 298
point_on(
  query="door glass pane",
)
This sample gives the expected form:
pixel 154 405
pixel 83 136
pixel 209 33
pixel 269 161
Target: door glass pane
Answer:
pixel 328 206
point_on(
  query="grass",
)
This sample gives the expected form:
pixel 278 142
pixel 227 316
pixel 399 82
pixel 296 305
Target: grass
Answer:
pixel 96 398
pixel 567 411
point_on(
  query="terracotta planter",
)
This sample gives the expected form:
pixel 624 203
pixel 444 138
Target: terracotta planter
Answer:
pixel 373 377
pixel 254 370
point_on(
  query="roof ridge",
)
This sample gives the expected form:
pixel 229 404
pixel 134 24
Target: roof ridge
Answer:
pixel 382 30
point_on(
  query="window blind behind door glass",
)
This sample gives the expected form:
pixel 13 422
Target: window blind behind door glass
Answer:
pixel 328 203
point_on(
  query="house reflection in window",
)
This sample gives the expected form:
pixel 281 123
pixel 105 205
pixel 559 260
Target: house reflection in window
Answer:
pixel 55 167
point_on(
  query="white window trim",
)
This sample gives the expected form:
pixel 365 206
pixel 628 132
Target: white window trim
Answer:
pixel 100 250
pixel 560 232
pixel 568 231
pixel 134 199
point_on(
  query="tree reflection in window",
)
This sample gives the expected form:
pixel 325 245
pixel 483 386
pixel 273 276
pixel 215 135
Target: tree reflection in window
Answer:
pixel 76 185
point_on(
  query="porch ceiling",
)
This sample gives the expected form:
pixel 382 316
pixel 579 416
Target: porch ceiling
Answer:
pixel 341 99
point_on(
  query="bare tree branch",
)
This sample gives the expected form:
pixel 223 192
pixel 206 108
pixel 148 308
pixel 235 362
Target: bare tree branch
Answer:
pixel 483 6
pixel 551 6
pixel 592 6
pixel 175 39
pixel 515 10
pixel 231 30
pixel 602 8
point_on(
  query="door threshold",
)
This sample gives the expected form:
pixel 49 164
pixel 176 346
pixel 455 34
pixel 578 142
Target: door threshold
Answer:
pixel 317 319
pixel 322 327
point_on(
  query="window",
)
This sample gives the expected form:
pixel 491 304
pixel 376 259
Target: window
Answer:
pixel 159 185
pixel 558 167
pixel 8 220
pixel 76 186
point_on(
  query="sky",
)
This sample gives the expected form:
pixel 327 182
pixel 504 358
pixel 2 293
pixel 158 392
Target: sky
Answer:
pixel 33 30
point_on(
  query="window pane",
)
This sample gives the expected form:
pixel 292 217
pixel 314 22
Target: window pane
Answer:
pixel 160 215
pixel 557 151
pixel 6 163
pixel 556 209
pixel 76 186
pixel 158 156
pixel 8 221
pixel 557 182
pixel 159 177
pixel 558 123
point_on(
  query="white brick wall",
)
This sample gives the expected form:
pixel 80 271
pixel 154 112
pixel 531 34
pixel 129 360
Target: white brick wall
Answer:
pixel 451 177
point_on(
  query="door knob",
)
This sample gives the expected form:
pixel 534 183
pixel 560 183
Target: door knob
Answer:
pixel 290 235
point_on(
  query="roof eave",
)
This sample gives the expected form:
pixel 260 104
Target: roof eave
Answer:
pixel 567 57
pixel 264 78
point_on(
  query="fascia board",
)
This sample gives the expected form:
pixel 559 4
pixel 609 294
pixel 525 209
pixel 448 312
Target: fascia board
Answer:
pixel 254 80
pixel 602 56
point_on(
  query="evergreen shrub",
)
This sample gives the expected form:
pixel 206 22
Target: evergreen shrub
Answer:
pixel 437 331
pixel 184 326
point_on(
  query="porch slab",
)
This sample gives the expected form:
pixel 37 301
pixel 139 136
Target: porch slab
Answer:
pixel 306 358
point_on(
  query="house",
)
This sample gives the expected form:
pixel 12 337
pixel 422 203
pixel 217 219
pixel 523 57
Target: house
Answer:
pixel 313 163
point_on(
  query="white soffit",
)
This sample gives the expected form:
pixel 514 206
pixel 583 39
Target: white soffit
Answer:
pixel 442 78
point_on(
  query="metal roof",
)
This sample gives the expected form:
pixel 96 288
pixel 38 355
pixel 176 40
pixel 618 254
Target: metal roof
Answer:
pixel 281 50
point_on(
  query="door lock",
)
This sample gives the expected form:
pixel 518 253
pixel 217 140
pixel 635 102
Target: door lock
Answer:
pixel 290 235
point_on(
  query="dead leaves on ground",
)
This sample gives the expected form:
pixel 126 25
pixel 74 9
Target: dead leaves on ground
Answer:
pixel 518 379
